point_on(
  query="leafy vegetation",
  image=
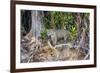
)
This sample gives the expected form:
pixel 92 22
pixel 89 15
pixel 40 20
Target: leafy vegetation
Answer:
pixel 60 20
pixel 44 34
pixel 73 32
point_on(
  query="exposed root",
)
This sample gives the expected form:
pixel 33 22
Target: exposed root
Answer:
pixel 40 53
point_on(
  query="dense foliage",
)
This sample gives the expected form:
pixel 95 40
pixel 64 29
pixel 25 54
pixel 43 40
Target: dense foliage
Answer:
pixel 56 20
pixel 60 20
pixel 44 34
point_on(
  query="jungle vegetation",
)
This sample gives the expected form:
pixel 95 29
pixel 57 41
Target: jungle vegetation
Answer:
pixel 38 23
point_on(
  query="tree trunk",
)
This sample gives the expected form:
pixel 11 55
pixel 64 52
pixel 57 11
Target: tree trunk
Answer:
pixel 37 21
pixel 82 33
pixel 78 22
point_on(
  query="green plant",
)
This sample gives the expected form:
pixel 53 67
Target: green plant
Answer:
pixel 44 33
pixel 73 32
